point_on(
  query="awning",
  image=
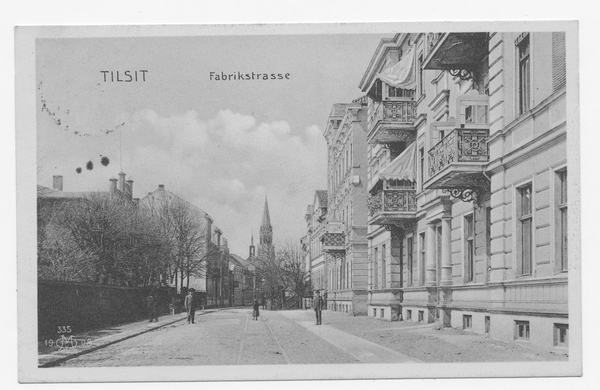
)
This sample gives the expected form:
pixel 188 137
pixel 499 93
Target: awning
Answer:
pixel 403 167
pixel 401 75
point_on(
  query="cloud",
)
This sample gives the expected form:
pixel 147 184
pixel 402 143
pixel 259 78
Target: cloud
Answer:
pixel 226 165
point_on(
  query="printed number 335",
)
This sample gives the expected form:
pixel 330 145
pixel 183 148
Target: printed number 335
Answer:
pixel 64 329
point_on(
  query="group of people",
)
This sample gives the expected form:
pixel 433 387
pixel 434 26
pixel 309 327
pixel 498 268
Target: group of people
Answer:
pixel 191 304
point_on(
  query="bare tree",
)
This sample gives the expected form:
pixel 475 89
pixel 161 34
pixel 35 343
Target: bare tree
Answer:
pixel 115 241
pixel 269 270
pixel 292 260
pixel 186 229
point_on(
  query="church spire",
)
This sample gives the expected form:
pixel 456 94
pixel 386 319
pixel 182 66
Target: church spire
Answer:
pixel 266 219
pixel 266 230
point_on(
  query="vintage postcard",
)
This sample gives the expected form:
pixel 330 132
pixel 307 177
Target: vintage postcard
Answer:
pixel 270 202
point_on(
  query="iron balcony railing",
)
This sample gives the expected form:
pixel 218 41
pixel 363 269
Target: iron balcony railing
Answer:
pixel 402 111
pixel 334 237
pixel 392 201
pixel 459 146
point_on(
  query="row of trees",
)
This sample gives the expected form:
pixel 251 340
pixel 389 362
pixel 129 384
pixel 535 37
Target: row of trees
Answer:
pixel 114 240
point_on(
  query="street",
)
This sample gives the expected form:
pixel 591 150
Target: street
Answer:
pixel 231 337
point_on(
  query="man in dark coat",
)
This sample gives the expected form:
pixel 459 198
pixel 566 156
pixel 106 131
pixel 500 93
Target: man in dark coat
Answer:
pixel 151 300
pixel 255 313
pixel 190 305
pixel 318 306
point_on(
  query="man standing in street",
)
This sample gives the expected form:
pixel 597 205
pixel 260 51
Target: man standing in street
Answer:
pixel 190 305
pixel 318 306
pixel 151 300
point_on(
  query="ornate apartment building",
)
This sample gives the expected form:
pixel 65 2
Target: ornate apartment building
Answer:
pixel 344 239
pixel 316 221
pixel 467 183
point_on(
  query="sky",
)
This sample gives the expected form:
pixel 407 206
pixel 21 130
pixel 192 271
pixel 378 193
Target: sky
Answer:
pixel 222 145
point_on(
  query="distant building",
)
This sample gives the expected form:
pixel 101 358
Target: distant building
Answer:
pixel 315 217
pixel 52 201
pixel 344 240
pixel 243 281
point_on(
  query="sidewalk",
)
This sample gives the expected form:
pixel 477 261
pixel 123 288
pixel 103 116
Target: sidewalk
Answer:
pixel 68 347
pixel 426 343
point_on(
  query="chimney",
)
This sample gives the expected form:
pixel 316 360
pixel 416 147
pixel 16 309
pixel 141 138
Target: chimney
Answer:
pixel 57 182
pixel 113 185
pixel 129 188
pixel 161 186
pixel 122 181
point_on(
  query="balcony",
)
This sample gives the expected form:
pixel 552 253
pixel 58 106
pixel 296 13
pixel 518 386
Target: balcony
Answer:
pixel 458 161
pixel 392 121
pixel 459 53
pixel 392 206
pixel 334 238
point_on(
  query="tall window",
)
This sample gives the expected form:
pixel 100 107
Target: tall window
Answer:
pixel 375 269
pixel 383 266
pixel 525 230
pixel 422 259
pixel 562 220
pixel 524 72
pixel 469 248
pixel 488 241
pixel 421 167
pixel 420 64
pixel 349 275
pixel 409 260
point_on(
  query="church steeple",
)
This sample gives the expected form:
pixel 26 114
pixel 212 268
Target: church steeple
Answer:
pixel 266 219
pixel 265 246
pixel 266 230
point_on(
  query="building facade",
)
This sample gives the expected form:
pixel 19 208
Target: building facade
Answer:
pixel 468 183
pixel 344 239
pixel 316 221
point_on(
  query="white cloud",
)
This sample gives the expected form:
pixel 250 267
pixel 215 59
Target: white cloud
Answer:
pixel 226 165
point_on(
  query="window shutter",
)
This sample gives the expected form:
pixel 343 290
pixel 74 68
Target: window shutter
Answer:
pixel 559 61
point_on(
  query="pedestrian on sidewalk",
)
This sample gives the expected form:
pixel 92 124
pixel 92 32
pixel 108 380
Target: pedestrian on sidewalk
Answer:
pixel 190 305
pixel 255 313
pixel 318 306
pixel 151 301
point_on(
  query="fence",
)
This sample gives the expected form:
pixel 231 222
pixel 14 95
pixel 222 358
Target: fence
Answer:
pixel 84 306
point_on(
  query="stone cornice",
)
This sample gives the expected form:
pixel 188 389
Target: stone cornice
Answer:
pixel 541 143
pixel 534 112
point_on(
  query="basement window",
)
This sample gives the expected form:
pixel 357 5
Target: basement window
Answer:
pixel 521 330
pixel 467 321
pixel 561 335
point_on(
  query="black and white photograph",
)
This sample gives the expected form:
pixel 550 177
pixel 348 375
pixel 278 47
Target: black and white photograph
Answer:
pixel 326 201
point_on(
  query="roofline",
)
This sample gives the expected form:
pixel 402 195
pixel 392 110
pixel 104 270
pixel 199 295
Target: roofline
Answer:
pixel 384 45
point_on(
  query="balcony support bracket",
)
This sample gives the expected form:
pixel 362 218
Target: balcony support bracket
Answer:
pixel 473 194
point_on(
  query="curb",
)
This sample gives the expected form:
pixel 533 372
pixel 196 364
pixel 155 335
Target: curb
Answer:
pixel 126 336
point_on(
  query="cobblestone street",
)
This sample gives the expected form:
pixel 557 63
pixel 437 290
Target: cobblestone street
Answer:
pixel 231 337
